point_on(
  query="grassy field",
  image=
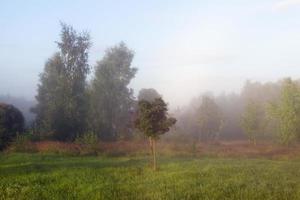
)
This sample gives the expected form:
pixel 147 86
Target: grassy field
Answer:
pixel 36 176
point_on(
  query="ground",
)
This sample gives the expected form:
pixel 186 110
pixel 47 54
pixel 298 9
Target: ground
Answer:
pixel 45 176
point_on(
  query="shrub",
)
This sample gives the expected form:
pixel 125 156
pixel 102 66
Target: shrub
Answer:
pixel 89 138
pixel 11 124
pixel 23 143
pixel 88 142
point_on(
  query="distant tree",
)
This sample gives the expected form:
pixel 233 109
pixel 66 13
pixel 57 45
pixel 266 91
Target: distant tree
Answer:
pixel 50 96
pixel 149 94
pixel 287 111
pixel 210 118
pixel 11 123
pixel 231 106
pixel 253 122
pixel 22 104
pixel 62 99
pixel 111 98
pixel 263 94
pixel 153 121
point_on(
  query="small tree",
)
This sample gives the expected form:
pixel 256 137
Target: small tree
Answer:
pixel 252 121
pixel 153 121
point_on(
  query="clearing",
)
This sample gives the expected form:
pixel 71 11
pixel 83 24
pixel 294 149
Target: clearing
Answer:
pixel 38 176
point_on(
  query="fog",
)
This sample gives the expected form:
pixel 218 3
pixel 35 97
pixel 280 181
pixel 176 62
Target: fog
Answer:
pixel 181 49
pixel 172 99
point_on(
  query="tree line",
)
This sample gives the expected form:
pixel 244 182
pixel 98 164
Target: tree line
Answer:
pixel 69 106
pixel 262 111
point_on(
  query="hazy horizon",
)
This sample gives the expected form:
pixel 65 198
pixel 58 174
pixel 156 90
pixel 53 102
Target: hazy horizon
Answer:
pixel 182 49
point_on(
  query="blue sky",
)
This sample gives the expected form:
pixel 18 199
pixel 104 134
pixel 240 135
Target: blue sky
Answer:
pixel 183 48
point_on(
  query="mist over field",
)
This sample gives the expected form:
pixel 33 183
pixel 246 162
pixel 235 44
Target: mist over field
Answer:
pixel 181 49
pixel 150 100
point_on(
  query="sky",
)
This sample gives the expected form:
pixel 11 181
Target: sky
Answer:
pixel 182 48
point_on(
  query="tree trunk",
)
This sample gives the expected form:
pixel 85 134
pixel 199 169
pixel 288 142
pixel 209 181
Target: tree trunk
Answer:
pixel 151 150
pixel 154 154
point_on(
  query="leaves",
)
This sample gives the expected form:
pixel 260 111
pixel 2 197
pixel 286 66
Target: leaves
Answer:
pixel 253 121
pixel 153 119
pixel 62 100
pixel 209 118
pixel 287 111
pixel 11 123
pixel 111 98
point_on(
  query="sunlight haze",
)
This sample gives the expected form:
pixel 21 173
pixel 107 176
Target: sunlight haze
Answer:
pixel 182 48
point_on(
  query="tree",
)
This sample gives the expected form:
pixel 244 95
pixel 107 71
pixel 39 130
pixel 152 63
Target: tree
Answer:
pixel 153 121
pixel 287 111
pixel 62 100
pixel 23 105
pixel 149 94
pixel 253 121
pixel 111 98
pixel 11 123
pixel 210 118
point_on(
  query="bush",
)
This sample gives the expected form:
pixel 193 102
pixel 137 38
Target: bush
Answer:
pixel 87 139
pixel 23 143
pixel 11 124
pixel 89 143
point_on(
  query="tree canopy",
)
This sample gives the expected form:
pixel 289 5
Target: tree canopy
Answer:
pixel 253 121
pixel 11 123
pixel 62 101
pixel 153 121
pixel 210 118
pixel 111 98
pixel 149 95
pixel 287 111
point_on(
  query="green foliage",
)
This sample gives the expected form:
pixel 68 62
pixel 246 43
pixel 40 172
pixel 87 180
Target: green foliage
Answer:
pixel 35 177
pixel 149 95
pixel 11 123
pixel 89 143
pixel 152 118
pixel 62 100
pixel 210 118
pixel 153 121
pixel 111 98
pixel 89 138
pixel 23 143
pixel 253 121
pixel 287 111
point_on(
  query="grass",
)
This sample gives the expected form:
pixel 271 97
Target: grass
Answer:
pixel 36 176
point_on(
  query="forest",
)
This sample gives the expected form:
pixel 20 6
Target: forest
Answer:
pixel 69 107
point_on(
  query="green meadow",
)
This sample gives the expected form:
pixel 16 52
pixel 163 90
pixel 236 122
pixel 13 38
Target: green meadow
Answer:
pixel 38 176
